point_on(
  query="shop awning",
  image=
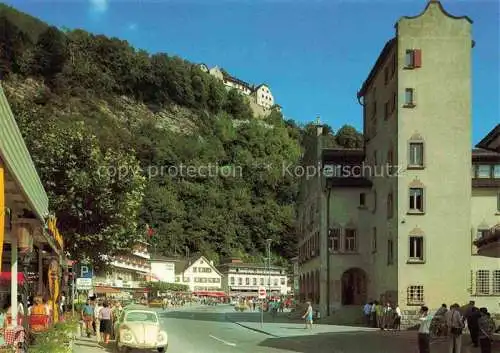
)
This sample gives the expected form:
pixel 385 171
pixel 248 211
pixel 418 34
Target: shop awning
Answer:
pixel 17 159
pixel 106 290
pixel 210 294
pixel 6 277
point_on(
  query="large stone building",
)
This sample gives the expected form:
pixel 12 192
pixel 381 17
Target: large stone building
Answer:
pixel 244 279
pixel 393 221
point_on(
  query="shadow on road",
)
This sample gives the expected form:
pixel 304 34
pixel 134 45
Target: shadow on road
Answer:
pixel 345 342
pixel 226 316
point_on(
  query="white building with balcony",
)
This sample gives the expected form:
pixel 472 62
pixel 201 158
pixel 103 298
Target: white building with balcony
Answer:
pixel 126 273
pixel 163 269
pixel 244 279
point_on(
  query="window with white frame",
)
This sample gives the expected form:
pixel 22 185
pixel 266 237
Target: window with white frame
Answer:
pixel 416 199
pixel 283 281
pixel 409 97
pixel 261 282
pixel 240 281
pixel 275 282
pixel 415 295
pixel 496 171
pixel 416 253
pixel 334 239
pixel 416 154
pixel 482 282
pixel 254 281
pixel 350 240
pixel 496 282
pixel 483 171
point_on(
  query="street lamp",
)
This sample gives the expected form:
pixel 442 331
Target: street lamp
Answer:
pixel 268 243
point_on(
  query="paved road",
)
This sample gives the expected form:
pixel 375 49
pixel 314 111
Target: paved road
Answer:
pixel 210 330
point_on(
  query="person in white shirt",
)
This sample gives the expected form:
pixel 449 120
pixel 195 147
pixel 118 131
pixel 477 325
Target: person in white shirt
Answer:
pixel 397 319
pixel 97 311
pixel 424 330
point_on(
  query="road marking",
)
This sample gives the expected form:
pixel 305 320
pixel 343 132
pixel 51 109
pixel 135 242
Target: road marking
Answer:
pixel 222 341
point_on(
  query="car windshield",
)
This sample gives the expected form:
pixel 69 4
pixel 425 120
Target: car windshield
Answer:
pixel 140 316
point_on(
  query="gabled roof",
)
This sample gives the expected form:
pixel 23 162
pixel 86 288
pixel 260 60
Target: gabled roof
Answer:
pixel 182 265
pixel 373 72
pixel 491 141
pixel 261 85
pixel 440 6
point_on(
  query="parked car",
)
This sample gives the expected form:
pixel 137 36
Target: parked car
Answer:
pixel 138 327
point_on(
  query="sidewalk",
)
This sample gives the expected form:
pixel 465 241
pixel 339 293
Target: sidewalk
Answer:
pixel 87 345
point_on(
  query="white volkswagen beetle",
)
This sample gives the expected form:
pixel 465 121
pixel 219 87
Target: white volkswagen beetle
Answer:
pixel 139 328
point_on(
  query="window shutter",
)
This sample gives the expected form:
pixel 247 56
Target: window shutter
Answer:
pixel 417 58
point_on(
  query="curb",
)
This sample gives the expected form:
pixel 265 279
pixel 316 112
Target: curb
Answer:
pixel 250 328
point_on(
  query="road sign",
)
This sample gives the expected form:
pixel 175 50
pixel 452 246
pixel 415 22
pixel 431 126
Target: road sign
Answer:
pixel 84 283
pixel 262 293
pixel 85 271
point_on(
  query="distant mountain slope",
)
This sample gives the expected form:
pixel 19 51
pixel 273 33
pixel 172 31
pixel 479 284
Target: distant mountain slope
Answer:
pixel 29 24
pixel 122 138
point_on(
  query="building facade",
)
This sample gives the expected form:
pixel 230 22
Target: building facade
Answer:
pixel 485 217
pixel 487 181
pixel 199 274
pixel 163 269
pixel 244 279
pixel 127 272
pixel 377 223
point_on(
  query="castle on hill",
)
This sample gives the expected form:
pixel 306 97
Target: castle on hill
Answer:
pixel 260 97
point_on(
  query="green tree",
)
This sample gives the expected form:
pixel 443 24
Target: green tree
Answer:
pixel 50 53
pixel 96 194
pixel 348 137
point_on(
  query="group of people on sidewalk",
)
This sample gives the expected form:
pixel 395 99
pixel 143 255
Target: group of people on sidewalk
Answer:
pixel 384 317
pixel 99 317
pixel 453 323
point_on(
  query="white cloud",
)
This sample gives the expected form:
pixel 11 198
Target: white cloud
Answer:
pixel 132 27
pixel 99 6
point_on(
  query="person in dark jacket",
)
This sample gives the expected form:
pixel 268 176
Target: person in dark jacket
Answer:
pixel 473 325
pixel 486 329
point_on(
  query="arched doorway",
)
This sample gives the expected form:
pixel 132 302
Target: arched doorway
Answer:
pixel 354 287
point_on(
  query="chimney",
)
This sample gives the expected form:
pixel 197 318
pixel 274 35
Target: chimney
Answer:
pixel 211 263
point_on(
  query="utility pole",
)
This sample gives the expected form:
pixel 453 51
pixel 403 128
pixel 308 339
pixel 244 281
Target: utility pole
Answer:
pixel 268 241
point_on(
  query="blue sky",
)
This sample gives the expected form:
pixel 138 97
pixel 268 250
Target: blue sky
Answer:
pixel 313 54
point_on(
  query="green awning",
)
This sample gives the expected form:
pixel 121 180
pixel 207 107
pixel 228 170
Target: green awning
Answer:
pixel 18 161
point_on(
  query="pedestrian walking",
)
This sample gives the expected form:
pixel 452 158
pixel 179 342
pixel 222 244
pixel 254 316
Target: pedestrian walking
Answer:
pixel 97 319
pixel 424 331
pixel 455 324
pixel 397 318
pixel 105 323
pixel 87 315
pixel 473 325
pixel 308 316
pixel 486 327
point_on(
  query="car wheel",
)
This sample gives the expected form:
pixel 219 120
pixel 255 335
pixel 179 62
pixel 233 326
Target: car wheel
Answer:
pixel 161 349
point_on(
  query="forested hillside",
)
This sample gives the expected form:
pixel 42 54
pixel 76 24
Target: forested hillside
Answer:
pixel 104 122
